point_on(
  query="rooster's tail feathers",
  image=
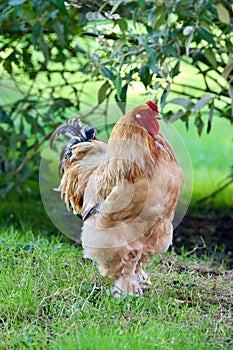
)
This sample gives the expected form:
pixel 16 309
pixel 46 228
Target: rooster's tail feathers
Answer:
pixel 77 132
pixel 75 129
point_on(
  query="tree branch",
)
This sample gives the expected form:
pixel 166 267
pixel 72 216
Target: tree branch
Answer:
pixel 213 194
pixel 32 152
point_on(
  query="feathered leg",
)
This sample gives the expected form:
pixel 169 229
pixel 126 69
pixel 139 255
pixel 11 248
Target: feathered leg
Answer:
pixel 128 282
pixel 120 265
pixel 143 277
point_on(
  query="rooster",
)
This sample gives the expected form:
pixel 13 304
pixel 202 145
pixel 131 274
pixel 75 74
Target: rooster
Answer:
pixel 126 190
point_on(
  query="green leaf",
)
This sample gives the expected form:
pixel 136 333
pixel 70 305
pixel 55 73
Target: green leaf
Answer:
pixel 60 30
pixel 122 24
pixel 121 101
pixel 106 72
pixel 210 56
pixel 163 99
pixel 228 68
pixel 16 2
pixel 123 94
pixel 223 14
pixel 7 65
pixel 206 35
pixel 44 48
pixel 170 51
pixel 5 117
pixel 53 14
pixel 141 3
pixel 21 126
pixel 177 116
pixel 199 124
pixel 15 139
pixel 62 102
pixel 230 92
pixel 102 91
pixel 184 11
pixel 204 100
pixel 3 152
pixel 160 18
pixel 185 119
pixel 210 117
pixel 145 75
pixel 175 69
pixel 134 16
pixel 13 57
pixel 116 5
pixel 183 115
pixel 60 4
pixel 164 96
pixel 95 57
pixel 29 118
pixel 80 49
pixel 118 84
pixel 153 62
pixel 183 102
pixel 36 31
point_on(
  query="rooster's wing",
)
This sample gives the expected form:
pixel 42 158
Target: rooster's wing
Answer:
pixel 85 158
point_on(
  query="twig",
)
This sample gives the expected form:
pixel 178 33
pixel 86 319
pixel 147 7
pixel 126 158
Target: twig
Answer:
pixel 194 250
pixel 133 52
pixel 213 194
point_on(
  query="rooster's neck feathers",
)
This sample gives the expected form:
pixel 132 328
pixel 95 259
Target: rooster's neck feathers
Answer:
pixel 132 154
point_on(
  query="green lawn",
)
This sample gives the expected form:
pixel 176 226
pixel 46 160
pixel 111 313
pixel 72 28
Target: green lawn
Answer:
pixel 50 298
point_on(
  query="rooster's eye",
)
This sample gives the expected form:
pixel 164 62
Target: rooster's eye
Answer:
pixel 144 112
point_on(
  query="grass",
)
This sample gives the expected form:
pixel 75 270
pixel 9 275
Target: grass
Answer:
pixel 50 298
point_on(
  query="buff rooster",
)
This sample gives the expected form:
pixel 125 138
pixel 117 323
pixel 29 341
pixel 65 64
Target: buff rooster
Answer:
pixel 126 190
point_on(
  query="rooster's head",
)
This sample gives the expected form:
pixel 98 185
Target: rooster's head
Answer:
pixel 147 115
pixel 143 117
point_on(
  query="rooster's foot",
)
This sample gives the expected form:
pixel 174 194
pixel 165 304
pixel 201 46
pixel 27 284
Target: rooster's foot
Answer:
pixel 144 279
pixel 125 287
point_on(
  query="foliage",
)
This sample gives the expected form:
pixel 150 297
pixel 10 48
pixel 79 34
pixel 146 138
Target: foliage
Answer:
pixel 51 50
pixel 51 299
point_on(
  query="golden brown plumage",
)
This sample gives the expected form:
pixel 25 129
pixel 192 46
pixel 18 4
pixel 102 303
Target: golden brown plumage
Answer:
pixel 127 191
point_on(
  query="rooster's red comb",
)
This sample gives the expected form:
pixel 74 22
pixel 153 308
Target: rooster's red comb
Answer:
pixel 153 106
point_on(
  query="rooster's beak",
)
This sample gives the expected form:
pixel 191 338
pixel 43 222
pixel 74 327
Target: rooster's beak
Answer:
pixel 158 116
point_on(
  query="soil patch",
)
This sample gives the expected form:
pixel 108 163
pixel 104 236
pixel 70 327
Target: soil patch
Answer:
pixel 207 232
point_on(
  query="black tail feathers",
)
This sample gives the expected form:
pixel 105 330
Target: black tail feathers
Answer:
pixel 78 133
